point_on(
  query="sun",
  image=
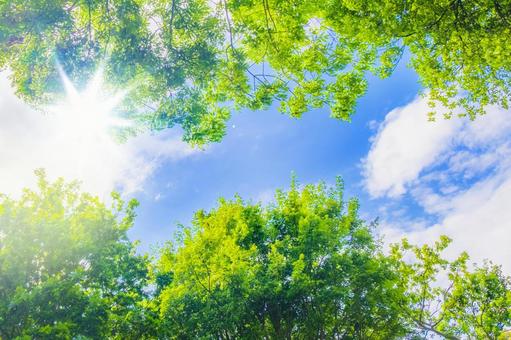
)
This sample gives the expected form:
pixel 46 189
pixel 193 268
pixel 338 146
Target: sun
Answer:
pixel 91 110
pixel 84 126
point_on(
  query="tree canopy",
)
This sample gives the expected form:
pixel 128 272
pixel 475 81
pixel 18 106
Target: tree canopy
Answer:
pixel 303 267
pixel 67 268
pixel 189 63
pixel 308 267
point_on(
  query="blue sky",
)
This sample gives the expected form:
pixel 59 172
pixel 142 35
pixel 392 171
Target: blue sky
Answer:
pixel 420 179
pixel 261 150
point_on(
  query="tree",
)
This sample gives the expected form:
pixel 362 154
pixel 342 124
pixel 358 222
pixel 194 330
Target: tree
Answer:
pixel 67 268
pixel 307 267
pixel 303 267
pixel 474 304
pixel 188 61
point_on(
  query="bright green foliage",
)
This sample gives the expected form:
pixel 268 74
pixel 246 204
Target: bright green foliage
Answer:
pixel 447 299
pixel 305 267
pixel 187 62
pixel 67 269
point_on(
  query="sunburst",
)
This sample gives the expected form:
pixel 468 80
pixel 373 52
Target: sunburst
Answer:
pixel 91 110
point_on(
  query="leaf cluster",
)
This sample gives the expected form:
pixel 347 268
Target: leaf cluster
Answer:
pixel 190 63
pixel 303 267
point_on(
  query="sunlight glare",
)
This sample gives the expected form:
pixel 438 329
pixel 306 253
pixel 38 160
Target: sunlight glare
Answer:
pixel 84 125
pixel 89 112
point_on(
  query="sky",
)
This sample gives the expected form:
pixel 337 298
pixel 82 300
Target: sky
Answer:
pixel 420 179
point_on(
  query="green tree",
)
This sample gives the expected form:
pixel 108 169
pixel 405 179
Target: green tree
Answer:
pixel 188 62
pixel 307 267
pixel 445 298
pixel 303 267
pixel 67 269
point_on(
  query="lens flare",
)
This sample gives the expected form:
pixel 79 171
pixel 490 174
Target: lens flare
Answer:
pixel 84 123
pixel 91 110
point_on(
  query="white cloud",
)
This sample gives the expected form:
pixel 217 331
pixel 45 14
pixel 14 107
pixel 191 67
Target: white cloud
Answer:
pixel 478 222
pixel 458 171
pixel 30 140
pixel 405 144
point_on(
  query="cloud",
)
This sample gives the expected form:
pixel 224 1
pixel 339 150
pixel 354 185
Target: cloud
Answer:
pixel 458 172
pixel 265 196
pixel 405 144
pixel 477 222
pixel 31 140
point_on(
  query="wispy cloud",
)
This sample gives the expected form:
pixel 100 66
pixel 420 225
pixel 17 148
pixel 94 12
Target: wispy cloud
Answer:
pixel 478 221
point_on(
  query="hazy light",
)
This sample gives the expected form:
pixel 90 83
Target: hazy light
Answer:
pixel 79 144
pixel 85 122
pixel 89 112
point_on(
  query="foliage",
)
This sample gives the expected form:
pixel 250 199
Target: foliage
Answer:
pixel 305 266
pixel 67 269
pixel 474 304
pixel 301 268
pixel 188 62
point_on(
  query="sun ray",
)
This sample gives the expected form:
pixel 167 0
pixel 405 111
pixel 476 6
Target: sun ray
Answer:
pixel 87 119
pixel 92 109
